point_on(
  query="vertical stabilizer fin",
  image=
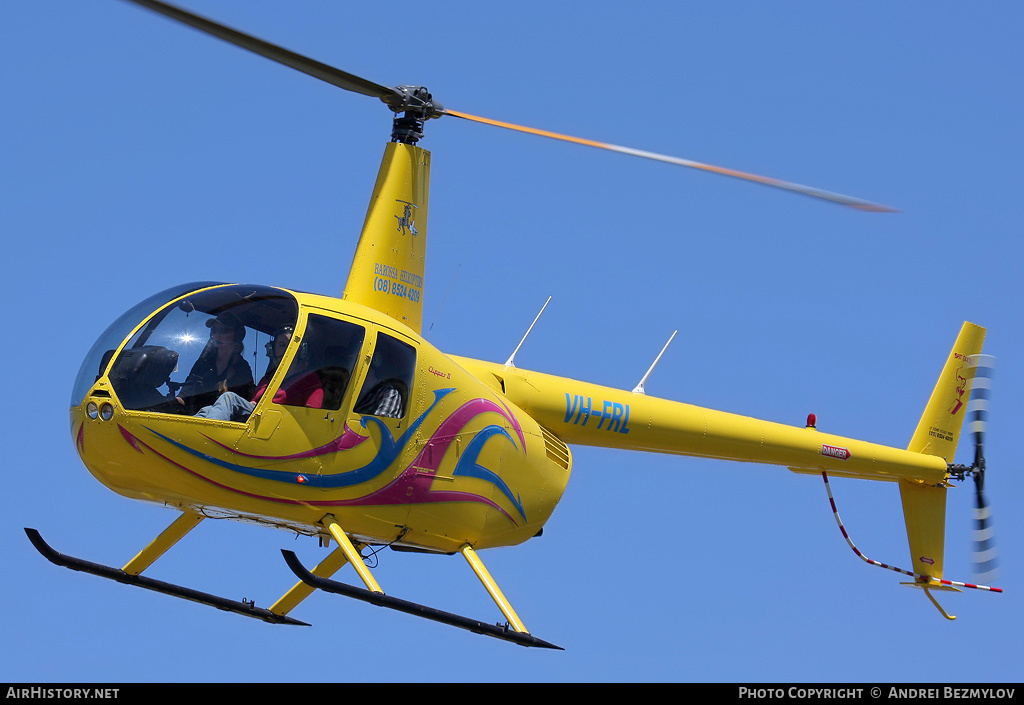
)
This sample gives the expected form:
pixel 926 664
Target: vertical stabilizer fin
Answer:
pixel 939 429
pixel 937 433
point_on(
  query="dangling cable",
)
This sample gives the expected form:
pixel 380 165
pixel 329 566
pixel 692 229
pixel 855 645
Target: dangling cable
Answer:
pixel 917 576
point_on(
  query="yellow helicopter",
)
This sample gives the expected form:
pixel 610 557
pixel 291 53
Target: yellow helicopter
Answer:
pixel 358 431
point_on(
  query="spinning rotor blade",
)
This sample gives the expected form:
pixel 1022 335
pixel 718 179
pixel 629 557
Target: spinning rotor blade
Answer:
pixel 767 181
pixel 419 103
pixel 985 566
pixel 335 77
pixel 984 555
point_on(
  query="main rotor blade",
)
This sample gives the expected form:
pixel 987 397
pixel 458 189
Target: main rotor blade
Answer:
pixel 767 181
pixel 398 100
pixel 311 67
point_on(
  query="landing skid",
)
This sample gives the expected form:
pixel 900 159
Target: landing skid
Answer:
pixel 244 608
pixel 413 608
pixel 347 552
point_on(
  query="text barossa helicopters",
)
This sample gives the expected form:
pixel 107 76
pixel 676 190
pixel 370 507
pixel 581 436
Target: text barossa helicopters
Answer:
pixel 359 431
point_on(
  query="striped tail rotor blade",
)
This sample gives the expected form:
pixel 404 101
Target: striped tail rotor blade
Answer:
pixel 839 198
pixel 977 406
pixel 984 558
pixel 985 565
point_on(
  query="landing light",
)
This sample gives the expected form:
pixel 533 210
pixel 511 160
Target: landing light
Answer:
pixel 106 412
pixel 92 410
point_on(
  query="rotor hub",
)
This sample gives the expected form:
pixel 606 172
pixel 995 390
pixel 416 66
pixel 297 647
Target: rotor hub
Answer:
pixel 413 106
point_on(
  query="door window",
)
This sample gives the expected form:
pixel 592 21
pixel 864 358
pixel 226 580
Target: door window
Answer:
pixel 322 367
pixel 385 391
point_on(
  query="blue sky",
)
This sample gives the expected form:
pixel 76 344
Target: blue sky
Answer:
pixel 137 154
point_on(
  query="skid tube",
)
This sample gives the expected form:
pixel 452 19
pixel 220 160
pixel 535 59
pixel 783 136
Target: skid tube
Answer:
pixel 244 608
pixel 413 608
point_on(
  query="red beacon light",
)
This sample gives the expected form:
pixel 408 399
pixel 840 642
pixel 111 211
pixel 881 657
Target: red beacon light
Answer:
pixel 812 421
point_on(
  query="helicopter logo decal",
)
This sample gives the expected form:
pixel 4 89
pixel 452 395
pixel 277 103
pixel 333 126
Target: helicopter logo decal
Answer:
pixel 405 221
pixel 961 389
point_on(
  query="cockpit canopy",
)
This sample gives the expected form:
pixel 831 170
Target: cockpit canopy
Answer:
pixel 163 366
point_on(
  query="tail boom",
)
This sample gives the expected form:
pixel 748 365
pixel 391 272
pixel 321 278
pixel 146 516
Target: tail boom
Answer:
pixel 581 413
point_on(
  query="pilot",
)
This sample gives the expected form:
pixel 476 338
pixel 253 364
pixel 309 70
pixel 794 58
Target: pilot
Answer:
pixel 220 367
pixel 299 390
pixel 301 386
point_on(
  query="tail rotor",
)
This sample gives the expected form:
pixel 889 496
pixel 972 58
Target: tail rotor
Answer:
pixel 985 564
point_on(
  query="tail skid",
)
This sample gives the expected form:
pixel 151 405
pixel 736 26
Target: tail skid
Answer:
pixel 921 581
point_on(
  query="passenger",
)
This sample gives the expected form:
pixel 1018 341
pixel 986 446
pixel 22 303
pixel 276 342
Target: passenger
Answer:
pixel 302 386
pixel 385 398
pixel 275 351
pixel 220 368
pixel 303 390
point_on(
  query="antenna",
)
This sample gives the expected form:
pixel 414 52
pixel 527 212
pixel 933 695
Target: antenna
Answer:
pixel 509 362
pixel 639 388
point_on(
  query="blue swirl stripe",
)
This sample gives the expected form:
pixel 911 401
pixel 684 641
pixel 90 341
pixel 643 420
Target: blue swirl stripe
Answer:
pixel 469 467
pixel 386 455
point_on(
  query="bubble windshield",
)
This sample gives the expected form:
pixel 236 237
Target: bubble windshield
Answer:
pixel 95 363
pixel 199 346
